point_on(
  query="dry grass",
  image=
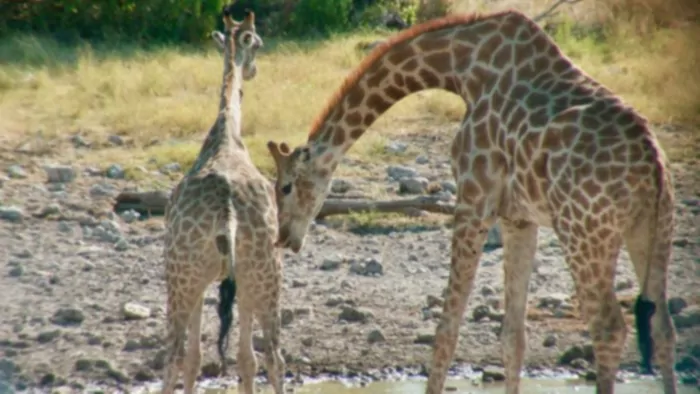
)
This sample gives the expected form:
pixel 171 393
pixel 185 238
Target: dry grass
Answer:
pixel 169 95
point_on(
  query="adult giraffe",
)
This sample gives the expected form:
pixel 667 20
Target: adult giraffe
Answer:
pixel 543 144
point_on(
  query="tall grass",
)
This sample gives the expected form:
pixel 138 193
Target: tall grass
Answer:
pixel 162 100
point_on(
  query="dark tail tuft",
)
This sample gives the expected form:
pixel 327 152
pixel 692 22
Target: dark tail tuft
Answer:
pixel 227 296
pixel 643 311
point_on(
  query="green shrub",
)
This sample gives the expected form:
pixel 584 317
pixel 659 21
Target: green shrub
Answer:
pixel 322 16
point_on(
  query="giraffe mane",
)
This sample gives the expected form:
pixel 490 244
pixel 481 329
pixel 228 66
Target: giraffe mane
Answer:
pixel 384 47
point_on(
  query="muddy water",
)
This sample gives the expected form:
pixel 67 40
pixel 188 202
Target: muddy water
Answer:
pixel 528 386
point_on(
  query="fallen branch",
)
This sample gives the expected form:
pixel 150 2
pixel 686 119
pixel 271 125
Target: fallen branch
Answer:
pixel 152 203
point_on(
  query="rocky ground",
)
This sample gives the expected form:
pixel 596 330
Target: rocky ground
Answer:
pixel 82 292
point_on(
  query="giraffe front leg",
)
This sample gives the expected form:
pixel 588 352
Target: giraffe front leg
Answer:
pixel 274 361
pixel 519 247
pixel 247 364
pixel 467 241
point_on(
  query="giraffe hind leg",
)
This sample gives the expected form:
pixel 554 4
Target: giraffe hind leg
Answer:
pixel 520 245
pixel 661 339
pixel 193 358
pixel 270 321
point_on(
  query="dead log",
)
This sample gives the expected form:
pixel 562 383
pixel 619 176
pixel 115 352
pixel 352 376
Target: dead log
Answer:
pixel 152 203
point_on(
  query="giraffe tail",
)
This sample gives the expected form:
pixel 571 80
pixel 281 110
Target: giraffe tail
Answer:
pixel 227 290
pixel 644 308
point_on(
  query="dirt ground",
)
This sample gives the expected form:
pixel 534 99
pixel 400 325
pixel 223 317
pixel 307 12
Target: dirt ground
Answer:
pixel 358 303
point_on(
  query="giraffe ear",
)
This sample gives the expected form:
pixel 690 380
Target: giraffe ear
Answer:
pixel 218 38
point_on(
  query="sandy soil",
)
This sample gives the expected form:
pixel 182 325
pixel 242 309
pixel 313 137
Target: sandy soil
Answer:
pixel 357 303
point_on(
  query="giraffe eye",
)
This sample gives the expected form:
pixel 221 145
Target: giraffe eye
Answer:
pixel 286 189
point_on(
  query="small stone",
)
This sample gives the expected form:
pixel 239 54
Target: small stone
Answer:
pixel 121 245
pixel 433 301
pixel 624 284
pixel 373 267
pixel 16 171
pixel 549 341
pixel 102 190
pixel 115 140
pixel 341 186
pixel 12 214
pixel 688 317
pixel 83 364
pixel 134 311
pixel 579 363
pixel 422 160
pixel 79 141
pixel 355 315
pixel 16 272
pixel 487 291
pixel 115 171
pixel 68 317
pixel 118 376
pixel 48 336
pixel 287 317
pixel 298 283
pixel 170 168
pixel 493 374
pixel 424 339
pixel 413 185
pixel 130 216
pixel 60 173
pixel 494 238
pixel 398 172
pixel 210 370
pixel 307 341
pixel 449 186
pixel 480 312
pixel 676 305
pixel 552 300
pixel 146 375
pixel 375 336
pixel 396 147
pixel 330 264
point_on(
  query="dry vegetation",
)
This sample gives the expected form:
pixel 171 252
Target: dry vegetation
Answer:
pixel 162 101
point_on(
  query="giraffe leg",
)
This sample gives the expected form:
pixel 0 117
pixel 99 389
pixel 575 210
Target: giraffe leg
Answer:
pixel 467 242
pixel 178 315
pixel 247 364
pixel 592 262
pixel 193 359
pixel 270 321
pixel 520 245
pixel 656 269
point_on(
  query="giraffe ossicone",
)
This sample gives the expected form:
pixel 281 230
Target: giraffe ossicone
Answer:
pixel 221 225
pixel 543 144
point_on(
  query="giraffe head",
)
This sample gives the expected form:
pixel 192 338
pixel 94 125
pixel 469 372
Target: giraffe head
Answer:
pixel 303 179
pixel 242 38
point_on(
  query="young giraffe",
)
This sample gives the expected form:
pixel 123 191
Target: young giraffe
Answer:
pixel 542 145
pixel 221 225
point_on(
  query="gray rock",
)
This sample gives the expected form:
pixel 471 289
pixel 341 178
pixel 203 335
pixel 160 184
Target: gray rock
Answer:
pixel 553 300
pixel 688 317
pixel 398 172
pixel 115 171
pixel 493 374
pixel 48 336
pixel 79 141
pixel 68 316
pixel 341 186
pixel 115 140
pixel 425 338
pixel 12 214
pixel 102 190
pixel 396 147
pixel 422 160
pixel 134 311
pixel 170 168
pixel 449 186
pixel 549 341
pixel 331 264
pixel 369 267
pixel 481 312
pixel 130 216
pixel 413 185
pixel 60 173
pixel 355 315
pixel 676 305
pixel 16 171
pixel 375 336
pixel 16 271
pixel 286 317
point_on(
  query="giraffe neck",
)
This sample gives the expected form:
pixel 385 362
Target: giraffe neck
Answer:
pixel 498 64
pixel 225 134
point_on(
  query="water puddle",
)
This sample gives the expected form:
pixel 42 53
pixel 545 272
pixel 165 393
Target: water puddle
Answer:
pixel 528 386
